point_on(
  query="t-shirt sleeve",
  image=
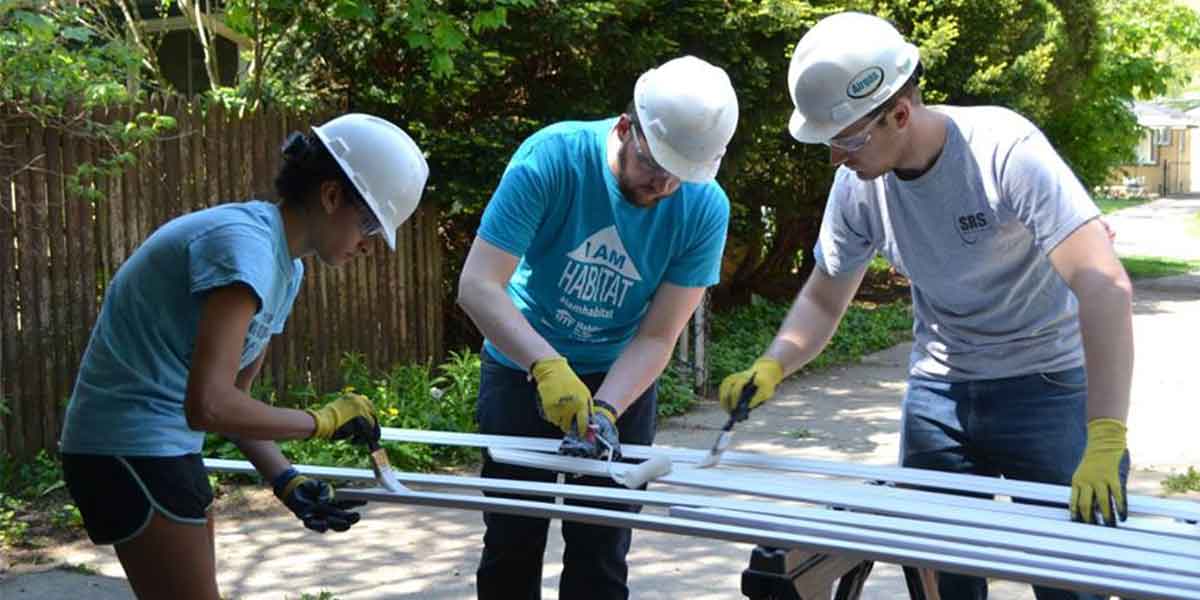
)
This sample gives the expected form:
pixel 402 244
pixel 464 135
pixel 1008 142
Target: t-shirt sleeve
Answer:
pixel 293 291
pixel 699 264
pixel 1041 190
pixel 232 254
pixel 518 206
pixel 845 242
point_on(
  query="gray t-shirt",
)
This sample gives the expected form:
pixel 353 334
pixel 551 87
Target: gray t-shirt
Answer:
pixel 973 236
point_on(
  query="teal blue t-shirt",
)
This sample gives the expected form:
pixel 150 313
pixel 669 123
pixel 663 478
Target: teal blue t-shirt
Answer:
pixel 590 261
pixel 128 397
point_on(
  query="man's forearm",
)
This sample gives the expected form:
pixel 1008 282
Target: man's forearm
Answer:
pixel 1106 324
pixel 804 333
pixel 498 319
pixel 642 361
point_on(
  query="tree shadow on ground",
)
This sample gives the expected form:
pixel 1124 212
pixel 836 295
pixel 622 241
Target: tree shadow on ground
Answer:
pixel 844 413
pixel 1153 296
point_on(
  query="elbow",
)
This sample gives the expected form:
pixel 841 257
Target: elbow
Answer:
pixel 461 298
pixel 1114 291
pixel 469 291
pixel 1120 288
pixel 199 409
pixel 1125 285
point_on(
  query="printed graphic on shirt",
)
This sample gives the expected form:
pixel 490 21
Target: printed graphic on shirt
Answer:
pixel 257 336
pixel 972 226
pixel 260 327
pixel 595 282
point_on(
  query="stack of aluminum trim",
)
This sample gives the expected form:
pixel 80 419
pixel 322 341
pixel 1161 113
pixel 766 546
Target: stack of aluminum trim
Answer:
pixel 787 502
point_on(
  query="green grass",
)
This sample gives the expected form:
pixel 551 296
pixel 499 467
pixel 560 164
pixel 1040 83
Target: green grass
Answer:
pixel 1178 483
pixel 324 595
pixel 1110 204
pixel 1193 226
pixel 1144 267
pixel 799 434
pixel 81 569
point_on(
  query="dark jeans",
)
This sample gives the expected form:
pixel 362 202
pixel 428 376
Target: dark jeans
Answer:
pixel 1032 427
pixel 594 556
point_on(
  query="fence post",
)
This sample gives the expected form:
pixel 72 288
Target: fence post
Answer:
pixel 690 355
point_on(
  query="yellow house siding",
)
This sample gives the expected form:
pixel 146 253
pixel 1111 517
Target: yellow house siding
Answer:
pixel 1171 171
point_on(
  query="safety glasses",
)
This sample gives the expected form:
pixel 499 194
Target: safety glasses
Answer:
pixel 368 223
pixel 647 161
pixel 856 142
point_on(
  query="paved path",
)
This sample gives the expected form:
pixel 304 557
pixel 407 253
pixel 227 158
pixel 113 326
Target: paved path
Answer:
pixel 848 414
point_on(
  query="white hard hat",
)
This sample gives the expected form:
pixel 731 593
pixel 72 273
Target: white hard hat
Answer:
pixel 844 67
pixel 688 110
pixel 384 163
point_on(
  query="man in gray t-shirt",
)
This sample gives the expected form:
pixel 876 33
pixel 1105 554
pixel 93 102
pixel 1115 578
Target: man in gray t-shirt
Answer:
pixel 1015 285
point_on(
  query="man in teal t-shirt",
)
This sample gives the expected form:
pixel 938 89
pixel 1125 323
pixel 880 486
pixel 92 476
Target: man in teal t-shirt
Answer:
pixel 593 253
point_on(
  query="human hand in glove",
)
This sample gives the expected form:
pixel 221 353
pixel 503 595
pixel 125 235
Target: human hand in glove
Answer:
pixel 565 400
pixel 603 437
pixel 351 416
pixel 1097 484
pixel 766 373
pixel 312 501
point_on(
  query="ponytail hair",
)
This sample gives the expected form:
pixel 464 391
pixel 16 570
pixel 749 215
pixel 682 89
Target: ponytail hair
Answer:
pixel 306 164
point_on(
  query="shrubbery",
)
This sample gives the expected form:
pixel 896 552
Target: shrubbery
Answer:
pixel 743 334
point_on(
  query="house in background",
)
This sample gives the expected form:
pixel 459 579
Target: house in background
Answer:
pixel 1163 163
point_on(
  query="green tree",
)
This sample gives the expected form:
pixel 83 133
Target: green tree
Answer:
pixel 60 60
pixel 1146 48
pixel 471 78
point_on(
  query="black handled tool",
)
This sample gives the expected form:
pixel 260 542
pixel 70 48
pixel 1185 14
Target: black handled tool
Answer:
pixel 740 412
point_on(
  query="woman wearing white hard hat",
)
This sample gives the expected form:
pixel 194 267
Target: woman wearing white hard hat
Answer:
pixel 1015 284
pixel 182 334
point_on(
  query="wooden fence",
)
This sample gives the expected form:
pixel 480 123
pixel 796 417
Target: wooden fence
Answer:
pixel 58 251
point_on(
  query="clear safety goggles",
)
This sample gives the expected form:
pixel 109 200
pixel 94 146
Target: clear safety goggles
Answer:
pixel 647 161
pixel 856 142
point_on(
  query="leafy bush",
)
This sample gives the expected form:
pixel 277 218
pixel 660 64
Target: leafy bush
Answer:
pixel 409 396
pixel 26 486
pixel 12 528
pixel 1179 483
pixel 675 393
pixel 29 480
pixel 741 335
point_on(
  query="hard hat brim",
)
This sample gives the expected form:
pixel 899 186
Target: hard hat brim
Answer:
pixel 805 132
pixel 675 164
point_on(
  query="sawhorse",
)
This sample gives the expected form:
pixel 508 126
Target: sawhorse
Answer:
pixel 780 574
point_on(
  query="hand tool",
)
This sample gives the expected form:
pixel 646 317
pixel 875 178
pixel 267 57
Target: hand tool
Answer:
pixel 637 476
pixel 379 459
pixel 740 412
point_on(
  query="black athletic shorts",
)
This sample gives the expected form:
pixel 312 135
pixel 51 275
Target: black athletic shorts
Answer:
pixel 117 495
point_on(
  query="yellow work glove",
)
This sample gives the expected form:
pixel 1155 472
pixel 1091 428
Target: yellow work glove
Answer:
pixel 767 373
pixel 565 400
pixel 1097 481
pixel 336 420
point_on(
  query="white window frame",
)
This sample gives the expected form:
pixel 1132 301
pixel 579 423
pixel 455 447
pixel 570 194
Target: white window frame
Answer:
pixel 1162 136
pixel 1146 152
